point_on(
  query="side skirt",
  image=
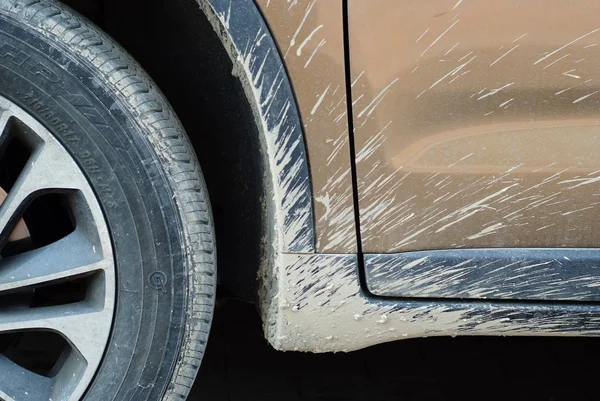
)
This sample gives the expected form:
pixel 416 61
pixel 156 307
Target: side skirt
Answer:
pixel 319 306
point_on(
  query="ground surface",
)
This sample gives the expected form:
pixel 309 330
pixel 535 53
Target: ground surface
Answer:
pixel 240 366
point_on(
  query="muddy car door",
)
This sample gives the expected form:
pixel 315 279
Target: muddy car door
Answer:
pixel 477 136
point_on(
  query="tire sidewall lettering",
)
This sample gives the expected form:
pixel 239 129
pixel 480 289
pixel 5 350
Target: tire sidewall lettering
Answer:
pixel 96 129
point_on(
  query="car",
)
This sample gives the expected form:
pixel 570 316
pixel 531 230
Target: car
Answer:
pixel 369 171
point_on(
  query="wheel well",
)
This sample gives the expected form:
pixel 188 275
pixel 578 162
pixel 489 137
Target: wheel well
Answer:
pixel 177 46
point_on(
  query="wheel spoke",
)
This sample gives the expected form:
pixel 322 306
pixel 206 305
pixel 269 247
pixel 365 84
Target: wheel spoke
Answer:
pixel 82 325
pixel 48 168
pixel 5 115
pixel 69 257
pixel 17 383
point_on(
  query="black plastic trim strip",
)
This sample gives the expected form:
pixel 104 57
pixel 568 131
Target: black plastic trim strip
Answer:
pixel 247 38
pixel 542 274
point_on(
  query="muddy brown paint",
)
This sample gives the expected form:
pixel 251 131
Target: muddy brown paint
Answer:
pixel 310 37
pixel 315 302
pixel 476 123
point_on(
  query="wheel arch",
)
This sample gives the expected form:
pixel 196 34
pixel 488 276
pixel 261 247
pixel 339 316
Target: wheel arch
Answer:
pixel 220 68
pixel 258 65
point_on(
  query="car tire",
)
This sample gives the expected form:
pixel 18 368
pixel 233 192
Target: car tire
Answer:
pixel 59 70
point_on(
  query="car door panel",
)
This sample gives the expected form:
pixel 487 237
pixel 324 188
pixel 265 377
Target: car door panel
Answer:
pixel 476 123
pixel 476 128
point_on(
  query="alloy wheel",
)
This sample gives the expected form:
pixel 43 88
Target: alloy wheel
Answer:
pixel 57 281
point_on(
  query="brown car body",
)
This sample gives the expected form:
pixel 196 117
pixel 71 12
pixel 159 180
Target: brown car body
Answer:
pixel 470 141
pixel 447 117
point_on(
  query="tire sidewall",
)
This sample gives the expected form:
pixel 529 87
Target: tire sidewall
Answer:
pixel 72 99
